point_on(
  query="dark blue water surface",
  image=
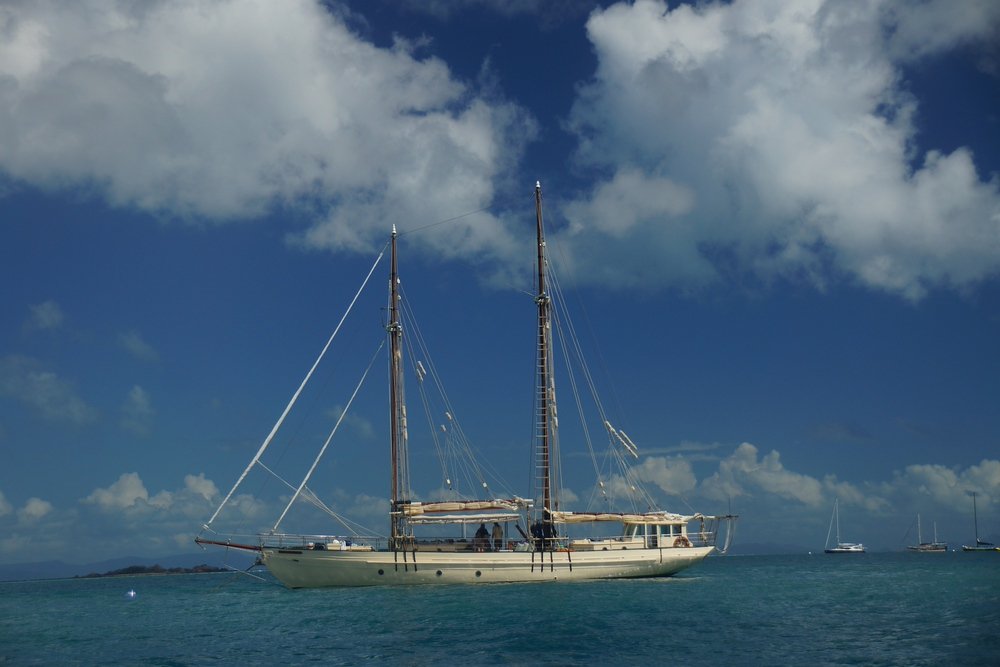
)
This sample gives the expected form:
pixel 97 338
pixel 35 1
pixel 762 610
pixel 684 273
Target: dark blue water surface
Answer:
pixel 873 609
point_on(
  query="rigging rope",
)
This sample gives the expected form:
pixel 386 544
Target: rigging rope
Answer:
pixel 442 222
pixel 295 396
pixel 457 448
pixel 326 444
pixel 309 495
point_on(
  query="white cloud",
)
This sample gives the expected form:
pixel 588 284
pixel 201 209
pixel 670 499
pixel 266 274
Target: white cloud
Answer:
pixel 673 476
pixel 228 110
pixel 21 378
pixel 781 138
pixel 34 509
pixel 200 486
pixel 776 505
pixel 125 492
pixel 938 485
pixel 130 500
pixel 924 28
pixel 742 473
pixel 45 316
pixel 135 345
pixel 137 411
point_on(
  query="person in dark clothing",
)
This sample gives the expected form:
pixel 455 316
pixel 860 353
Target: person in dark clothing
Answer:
pixel 482 541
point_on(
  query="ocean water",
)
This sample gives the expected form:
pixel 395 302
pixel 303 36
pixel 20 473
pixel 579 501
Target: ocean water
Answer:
pixel 873 609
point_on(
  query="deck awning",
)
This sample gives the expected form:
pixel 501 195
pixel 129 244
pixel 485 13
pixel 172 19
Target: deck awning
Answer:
pixel 658 518
pixel 465 518
pixel 420 508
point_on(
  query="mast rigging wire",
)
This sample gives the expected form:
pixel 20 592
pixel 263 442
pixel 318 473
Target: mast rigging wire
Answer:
pixel 295 396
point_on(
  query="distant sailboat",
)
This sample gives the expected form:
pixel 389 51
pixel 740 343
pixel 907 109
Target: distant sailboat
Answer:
pixel 841 547
pixel 928 547
pixel 980 545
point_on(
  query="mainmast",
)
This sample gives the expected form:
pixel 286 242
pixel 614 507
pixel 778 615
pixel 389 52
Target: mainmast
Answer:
pixel 397 406
pixel 546 397
pixel 975 517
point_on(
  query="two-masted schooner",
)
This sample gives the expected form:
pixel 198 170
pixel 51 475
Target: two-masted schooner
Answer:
pixel 927 547
pixel 518 539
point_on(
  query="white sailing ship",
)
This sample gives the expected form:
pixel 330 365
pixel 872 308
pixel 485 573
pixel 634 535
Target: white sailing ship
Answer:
pixel 519 539
pixel 840 547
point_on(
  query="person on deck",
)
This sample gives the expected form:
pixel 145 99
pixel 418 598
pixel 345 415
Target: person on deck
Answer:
pixel 497 537
pixel 482 541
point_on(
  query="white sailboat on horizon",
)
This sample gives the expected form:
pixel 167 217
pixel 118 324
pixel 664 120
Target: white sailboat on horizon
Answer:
pixel 532 538
pixel 980 545
pixel 840 547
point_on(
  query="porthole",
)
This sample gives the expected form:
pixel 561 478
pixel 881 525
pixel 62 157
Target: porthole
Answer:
pixel 439 573
pixel 381 572
pixel 478 573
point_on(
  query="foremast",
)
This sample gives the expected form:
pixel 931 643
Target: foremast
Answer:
pixel 399 485
pixel 545 401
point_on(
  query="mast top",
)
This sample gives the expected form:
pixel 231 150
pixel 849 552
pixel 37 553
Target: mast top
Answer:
pixel 394 229
pixel 538 185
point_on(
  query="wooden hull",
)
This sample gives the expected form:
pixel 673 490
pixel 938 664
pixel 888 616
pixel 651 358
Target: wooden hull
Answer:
pixel 312 569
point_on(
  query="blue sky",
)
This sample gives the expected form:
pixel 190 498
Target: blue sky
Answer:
pixel 783 218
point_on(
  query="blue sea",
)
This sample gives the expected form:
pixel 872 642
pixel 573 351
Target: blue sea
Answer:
pixel 873 609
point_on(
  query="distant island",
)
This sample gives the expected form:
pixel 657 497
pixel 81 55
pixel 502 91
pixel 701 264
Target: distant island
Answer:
pixel 152 569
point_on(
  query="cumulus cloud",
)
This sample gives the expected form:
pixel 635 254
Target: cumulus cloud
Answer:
pixel 758 481
pixel 781 137
pixel 125 492
pixel 938 485
pixel 765 139
pixel 228 110
pixel 673 476
pixel 34 509
pixel 200 486
pixel 925 28
pixel 5 506
pixel 23 379
pixel 743 473
pixel 129 499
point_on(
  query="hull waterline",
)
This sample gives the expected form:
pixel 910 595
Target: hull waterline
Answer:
pixel 311 569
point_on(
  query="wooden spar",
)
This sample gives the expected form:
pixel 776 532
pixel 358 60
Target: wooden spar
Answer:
pixel 231 545
pixel 544 434
pixel 395 398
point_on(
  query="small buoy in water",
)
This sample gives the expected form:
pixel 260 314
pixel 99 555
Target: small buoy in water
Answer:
pixel 130 595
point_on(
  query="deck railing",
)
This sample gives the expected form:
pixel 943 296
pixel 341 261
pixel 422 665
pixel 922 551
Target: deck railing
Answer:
pixel 693 538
